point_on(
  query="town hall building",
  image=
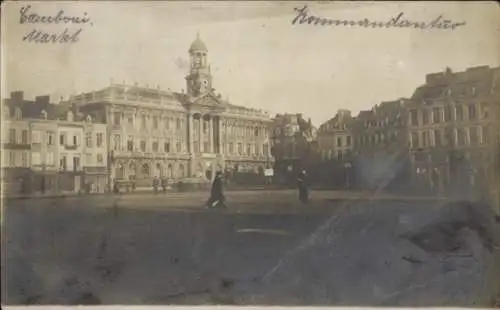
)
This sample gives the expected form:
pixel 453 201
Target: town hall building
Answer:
pixel 179 136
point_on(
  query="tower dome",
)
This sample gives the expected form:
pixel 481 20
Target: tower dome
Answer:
pixel 198 45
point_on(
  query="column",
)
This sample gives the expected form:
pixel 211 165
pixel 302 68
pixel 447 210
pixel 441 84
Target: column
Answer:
pixel 211 134
pixel 190 132
pixel 219 136
pixel 191 144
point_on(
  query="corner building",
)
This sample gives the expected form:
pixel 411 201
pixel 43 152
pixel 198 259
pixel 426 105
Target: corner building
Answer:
pixel 192 134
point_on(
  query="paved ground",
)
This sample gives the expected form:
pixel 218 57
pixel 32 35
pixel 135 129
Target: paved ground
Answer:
pixel 146 249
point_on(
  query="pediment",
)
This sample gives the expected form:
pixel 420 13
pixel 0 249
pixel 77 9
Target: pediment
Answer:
pixel 208 100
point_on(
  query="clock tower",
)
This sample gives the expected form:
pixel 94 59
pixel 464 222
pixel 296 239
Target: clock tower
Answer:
pixel 199 80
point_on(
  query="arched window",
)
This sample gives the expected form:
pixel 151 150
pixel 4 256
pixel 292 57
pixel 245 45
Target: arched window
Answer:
pixel 181 171
pixel 132 170
pixel 119 171
pixel 170 171
pixel 145 170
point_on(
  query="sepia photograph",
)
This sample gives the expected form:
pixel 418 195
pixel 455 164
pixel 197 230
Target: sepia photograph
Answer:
pixel 250 153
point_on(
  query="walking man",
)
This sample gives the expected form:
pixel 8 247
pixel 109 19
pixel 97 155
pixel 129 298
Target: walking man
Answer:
pixel 302 186
pixel 217 198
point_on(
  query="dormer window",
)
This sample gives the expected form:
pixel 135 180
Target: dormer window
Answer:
pixel 69 116
pixel 89 119
pixel 44 114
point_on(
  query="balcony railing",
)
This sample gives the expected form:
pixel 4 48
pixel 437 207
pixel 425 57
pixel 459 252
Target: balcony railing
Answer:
pixel 70 147
pixel 16 146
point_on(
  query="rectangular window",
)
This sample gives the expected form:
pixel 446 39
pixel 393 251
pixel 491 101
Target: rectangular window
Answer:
pixel 339 141
pixel 447 114
pixel 473 135
pixel 167 123
pixel 36 136
pixel 143 146
pixel 460 136
pixel 50 159
pixel 100 159
pixel 178 146
pixel 117 116
pixel 130 121
pixel 12 159
pixel 415 143
pixel 206 147
pixel 485 134
pixel 155 146
pixel 240 148
pixel 459 111
pixel 436 115
pixel 166 147
pixel 249 149
pixel 339 156
pixel 63 162
pixel 12 136
pixel 484 110
pixel 24 159
pixel 425 139
pixel 414 117
pixel 437 138
pixel 62 139
pixel 76 163
pixel 144 122
pixel 257 149
pixel 117 142
pixel 130 144
pixel 178 124
pixel 425 116
pixel 75 140
pixel 88 139
pixel 99 138
pixel 472 111
pixel 155 122
pixel 50 138
pixel 24 137
pixel 265 149
pixel 348 140
pixel 88 159
pixel 36 158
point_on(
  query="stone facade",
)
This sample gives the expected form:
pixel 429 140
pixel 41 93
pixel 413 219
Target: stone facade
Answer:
pixel 451 129
pixel 179 136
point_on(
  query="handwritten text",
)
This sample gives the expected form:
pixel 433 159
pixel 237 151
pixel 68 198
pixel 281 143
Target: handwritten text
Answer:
pixel 399 21
pixel 64 36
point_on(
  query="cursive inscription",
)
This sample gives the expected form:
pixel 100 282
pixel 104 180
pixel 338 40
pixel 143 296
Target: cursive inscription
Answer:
pixel 399 21
pixel 60 18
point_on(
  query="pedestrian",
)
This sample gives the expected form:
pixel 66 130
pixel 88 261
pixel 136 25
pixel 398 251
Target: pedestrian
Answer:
pixel 217 199
pixel 155 185
pixel 302 186
pixel 164 184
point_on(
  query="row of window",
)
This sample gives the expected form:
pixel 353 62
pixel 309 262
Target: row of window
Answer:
pixel 376 138
pixel 169 123
pixel 14 160
pixel 156 121
pixel 459 137
pixel 329 154
pixel 458 113
pixel 36 137
pixel 14 137
pixel 145 171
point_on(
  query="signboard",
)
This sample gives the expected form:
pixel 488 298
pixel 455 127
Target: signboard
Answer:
pixel 269 172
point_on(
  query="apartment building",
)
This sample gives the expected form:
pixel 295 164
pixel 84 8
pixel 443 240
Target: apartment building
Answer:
pixel 451 128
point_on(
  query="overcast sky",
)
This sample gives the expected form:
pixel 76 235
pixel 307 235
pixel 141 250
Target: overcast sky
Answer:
pixel 258 58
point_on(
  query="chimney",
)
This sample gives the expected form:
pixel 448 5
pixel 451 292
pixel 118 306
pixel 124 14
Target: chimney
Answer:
pixel 17 96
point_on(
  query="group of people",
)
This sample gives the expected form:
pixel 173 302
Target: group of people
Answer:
pixel 217 198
